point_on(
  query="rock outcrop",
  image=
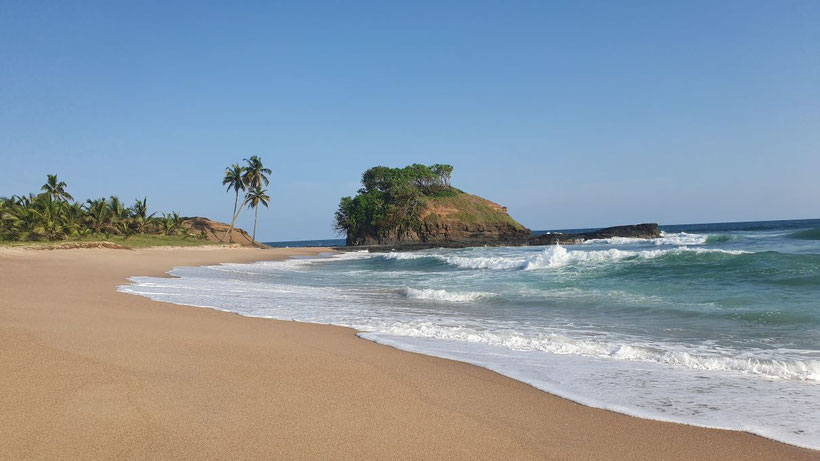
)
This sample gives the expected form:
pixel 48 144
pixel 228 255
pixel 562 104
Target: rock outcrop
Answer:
pixel 462 218
pixel 643 231
pixel 473 237
pixel 215 231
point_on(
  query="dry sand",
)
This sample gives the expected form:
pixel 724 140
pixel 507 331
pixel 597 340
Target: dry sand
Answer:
pixel 90 373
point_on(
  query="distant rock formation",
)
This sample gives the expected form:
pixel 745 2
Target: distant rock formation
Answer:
pixel 643 231
pixel 462 218
pixel 416 207
pixel 417 204
pixel 215 231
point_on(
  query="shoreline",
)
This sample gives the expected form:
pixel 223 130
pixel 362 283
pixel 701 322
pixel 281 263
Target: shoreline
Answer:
pixel 394 401
pixel 396 343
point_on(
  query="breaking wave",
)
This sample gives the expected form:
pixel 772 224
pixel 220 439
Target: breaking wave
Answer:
pixel 558 256
pixel 680 238
pixel 798 370
pixel 444 295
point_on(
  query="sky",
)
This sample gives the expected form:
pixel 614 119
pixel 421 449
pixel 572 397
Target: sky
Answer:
pixel 570 113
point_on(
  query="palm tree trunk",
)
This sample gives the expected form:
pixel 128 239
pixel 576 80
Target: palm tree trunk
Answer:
pixel 233 221
pixel 255 214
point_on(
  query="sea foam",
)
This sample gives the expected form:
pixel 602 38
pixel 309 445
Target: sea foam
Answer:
pixel 799 370
pixel 444 295
pixel 680 238
pixel 556 256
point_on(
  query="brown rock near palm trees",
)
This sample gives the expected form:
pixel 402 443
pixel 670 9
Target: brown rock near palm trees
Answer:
pixel 216 231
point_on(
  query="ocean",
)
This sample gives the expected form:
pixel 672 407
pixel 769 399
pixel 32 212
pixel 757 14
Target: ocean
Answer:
pixel 715 325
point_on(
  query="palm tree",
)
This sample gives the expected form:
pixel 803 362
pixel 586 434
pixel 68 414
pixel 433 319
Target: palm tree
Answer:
pixel 255 173
pixel 20 218
pixel 233 179
pixel 140 208
pixel 72 217
pixel 119 216
pixel 140 214
pixel 116 209
pixel 253 198
pixel 48 217
pixel 56 188
pixel 170 223
pixel 9 220
pixel 97 213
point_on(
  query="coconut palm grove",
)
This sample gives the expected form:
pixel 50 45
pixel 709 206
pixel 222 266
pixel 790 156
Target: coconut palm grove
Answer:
pixel 53 214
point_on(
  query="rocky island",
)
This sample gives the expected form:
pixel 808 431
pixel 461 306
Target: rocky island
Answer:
pixel 416 207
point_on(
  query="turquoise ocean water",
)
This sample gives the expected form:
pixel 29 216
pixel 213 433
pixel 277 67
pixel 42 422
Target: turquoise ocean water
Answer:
pixel 713 324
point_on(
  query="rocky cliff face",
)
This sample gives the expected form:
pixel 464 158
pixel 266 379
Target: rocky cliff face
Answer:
pixel 451 233
pixel 461 218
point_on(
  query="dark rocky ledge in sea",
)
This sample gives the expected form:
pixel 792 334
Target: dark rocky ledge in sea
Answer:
pixel 641 231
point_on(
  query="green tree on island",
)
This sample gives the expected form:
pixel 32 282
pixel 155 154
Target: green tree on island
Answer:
pixel 390 200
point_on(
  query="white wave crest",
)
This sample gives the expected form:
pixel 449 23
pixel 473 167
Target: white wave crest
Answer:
pixel 799 370
pixel 558 256
pixel 403 256
pixel 681 238
pixel 444 295
pixel 484 262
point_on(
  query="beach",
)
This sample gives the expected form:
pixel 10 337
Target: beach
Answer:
pixel 93 373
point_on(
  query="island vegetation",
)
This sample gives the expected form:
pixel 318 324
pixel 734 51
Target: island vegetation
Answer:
pixel 418 203
pixel 391 199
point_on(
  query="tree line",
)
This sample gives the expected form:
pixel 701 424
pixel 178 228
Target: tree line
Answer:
pixel 390 200
pixel 53 214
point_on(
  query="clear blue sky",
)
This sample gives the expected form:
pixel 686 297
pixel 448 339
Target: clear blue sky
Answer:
pixel 572 114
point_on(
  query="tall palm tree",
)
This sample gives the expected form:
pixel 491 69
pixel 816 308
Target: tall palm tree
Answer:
pixel 56 188
pixel 253 198
pixel 233 179
pixel 255 173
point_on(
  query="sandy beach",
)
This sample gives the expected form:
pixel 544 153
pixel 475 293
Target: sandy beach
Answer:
pixel 92 373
